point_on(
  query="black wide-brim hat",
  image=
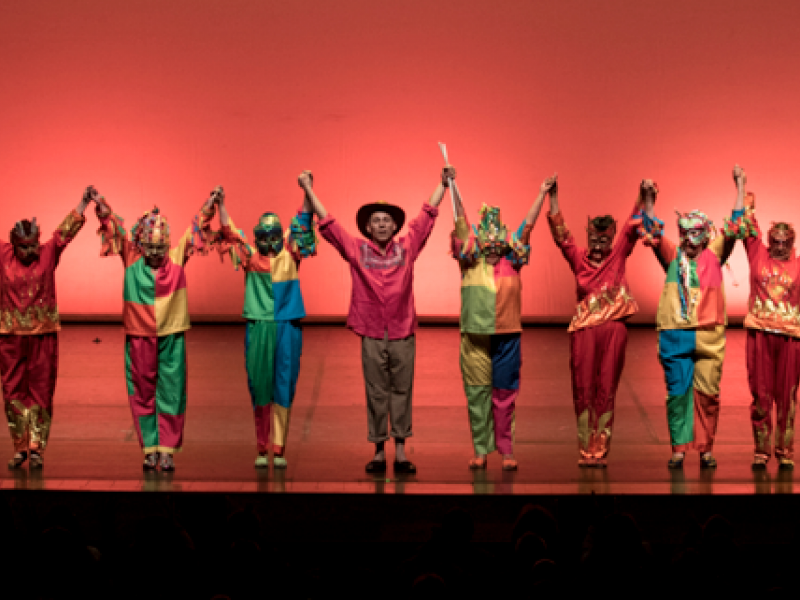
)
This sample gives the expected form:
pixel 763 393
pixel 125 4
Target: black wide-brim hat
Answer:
pixel 365 213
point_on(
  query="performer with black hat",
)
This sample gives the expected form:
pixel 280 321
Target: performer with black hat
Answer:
pixel 382 311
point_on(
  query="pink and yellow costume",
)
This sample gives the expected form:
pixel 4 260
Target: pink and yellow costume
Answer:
pixel 598 335
pixel 491 327
pixel 29 323
pixel 691 322
pixel 155 316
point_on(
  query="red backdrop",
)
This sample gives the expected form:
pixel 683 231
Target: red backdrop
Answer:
pixel 158 102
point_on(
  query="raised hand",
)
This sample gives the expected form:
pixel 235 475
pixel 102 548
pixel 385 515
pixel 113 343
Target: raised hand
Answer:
pixel 306 180
pixel 448 173
pixel 217 196
pixel 648 189
pixel 89 194
pixel 550 185
pixel 739 176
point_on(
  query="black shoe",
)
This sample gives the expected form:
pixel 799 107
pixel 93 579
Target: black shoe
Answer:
pixel 405 466
pixel 376 466
pixel 150 462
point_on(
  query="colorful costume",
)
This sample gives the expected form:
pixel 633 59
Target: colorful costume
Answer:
pixel 773 338
pixel 273 306
pixel 155 316
pixel 382 313
pixel 691 323
pixel 598 335
pixel 29 323
pixel 491 327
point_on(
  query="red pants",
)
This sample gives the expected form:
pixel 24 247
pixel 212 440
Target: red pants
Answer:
pixel 773 372
pixel 29 366
pixel 597 356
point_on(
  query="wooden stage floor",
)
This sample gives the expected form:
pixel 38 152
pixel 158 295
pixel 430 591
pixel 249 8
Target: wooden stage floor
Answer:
pixel 93 447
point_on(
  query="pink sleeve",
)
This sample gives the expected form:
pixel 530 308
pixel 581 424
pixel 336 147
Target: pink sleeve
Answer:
pixel 420 229
pixel 337 236
pixel 665 252
pixel 630 233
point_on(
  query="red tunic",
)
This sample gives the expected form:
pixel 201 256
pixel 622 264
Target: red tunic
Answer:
pixel 774 288
pixel 28 297
pixel 602 290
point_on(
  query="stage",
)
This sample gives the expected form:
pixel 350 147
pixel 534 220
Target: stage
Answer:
pixel 93 447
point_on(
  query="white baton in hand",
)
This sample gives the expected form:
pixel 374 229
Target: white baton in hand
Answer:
pixel 451 182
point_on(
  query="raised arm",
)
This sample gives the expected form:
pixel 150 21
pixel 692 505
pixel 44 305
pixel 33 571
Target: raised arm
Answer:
pixel 113 237
pixel 436 197
pixel 198 237
pixel 723 245
pixel 562 236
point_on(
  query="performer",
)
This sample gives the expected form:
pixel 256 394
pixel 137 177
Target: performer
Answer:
pixel 491 328
pixel 691 323
pixel 29 323
pixel 273 307
pixel 382 311
pixel 155 315
pixel 773 329
pixel 597 333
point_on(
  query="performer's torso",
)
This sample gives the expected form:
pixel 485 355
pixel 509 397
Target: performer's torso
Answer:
pixel 155 301
pixel 272 288
pixel 704 299
pixel 28 297
pixel 491 298
pixel 774 303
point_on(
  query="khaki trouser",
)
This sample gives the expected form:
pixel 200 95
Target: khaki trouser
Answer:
pixel 389 378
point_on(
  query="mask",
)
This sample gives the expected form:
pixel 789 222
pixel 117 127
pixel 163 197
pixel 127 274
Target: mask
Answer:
pixel 781 241
pixel 492 234
pixel 596 230
pixel 151 231
pixel 268 234
pixel 694 228
pixel 26 245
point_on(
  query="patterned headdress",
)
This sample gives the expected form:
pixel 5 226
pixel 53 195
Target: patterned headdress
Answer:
pixel 151 228
pixel 694 220
pixel 492 232
pixel 18 235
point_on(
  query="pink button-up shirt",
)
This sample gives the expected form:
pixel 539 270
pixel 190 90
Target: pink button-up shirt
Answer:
pixel 382 299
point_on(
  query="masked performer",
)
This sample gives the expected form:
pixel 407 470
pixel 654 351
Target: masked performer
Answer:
pixel 273 307
pixel 155 315
pixel 29 324
pixel 773 329
pixel 382 311
pixel 491 328
pixel 598 335
pixel 691 323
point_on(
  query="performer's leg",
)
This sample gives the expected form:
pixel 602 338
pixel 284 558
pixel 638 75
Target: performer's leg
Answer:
pixel 141 372
pixel 761 372
pixel 171 393
pixel 676 353
pixel 16 397
pixel 374 362
pixel 709 356
pixel 42 369
pixel 611 353
pixel 582 365
pixel 789 376
pixel 476 373
pixel 260 344
pixel 287 371
pixel 402 354
pixel 506 364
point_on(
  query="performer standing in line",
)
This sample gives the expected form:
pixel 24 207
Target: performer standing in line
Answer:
pixel 29 323
pixel 597 333
pixel 773 329
pixel 382 311
pixel 155 315
pixel 491 326
pixel 273 307
pixel 691 323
